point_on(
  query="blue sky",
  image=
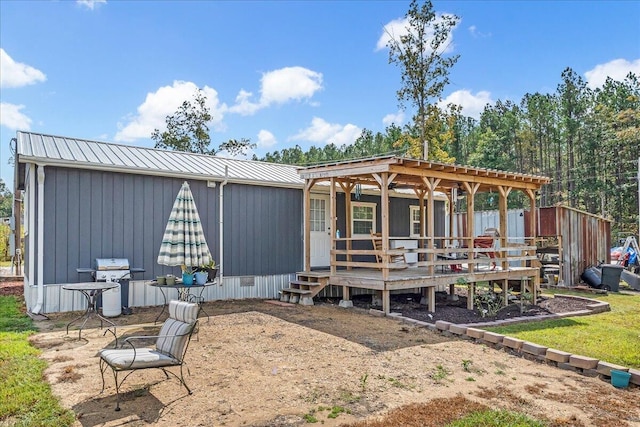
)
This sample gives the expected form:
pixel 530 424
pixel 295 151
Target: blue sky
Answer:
pixel 279 72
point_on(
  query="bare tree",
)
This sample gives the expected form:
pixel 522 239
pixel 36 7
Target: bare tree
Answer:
pixel 420 54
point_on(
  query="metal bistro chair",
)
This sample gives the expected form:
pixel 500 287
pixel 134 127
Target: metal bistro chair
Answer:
pixel 170 348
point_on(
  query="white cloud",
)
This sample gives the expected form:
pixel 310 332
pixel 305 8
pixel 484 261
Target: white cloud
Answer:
pixel 616 69
pixel 473 30
pixel 151 114
pixel 290 83
pixel 278 87
pixel 243 105
pixel 17 74
pixel 472 105
pixel 11 117
pixel 90 4
pixel 324 132
pixel 400 27
pixel 266 139
pixel 397 118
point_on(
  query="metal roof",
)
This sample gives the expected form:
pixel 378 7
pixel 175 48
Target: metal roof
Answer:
pixel 85 154
pixel 412 173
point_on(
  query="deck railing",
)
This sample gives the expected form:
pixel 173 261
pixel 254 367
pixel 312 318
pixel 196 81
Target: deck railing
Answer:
pixel 435 252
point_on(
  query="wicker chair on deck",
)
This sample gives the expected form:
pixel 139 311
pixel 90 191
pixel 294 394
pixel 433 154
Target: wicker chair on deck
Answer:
pixel 170 348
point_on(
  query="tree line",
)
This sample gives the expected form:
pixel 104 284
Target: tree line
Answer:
pixel 586 140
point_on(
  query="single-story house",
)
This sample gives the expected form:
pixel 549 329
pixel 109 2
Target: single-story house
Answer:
pixel 83 200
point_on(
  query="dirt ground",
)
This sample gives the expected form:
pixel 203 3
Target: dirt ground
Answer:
pixel 255 363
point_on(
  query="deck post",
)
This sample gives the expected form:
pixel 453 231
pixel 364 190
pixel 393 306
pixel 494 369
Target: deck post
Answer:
pixel 505 292
pixel 471 291
pixel 386 301
pixel 345 302
pixel 431 290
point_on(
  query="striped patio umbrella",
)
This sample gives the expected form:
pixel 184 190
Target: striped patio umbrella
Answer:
pixel 183 242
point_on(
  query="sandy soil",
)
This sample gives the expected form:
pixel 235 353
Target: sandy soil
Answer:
pixel 255 363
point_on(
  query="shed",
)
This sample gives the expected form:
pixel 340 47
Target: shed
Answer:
pixel 580 239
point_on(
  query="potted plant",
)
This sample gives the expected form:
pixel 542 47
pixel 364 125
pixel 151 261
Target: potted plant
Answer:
pixel 187 275
pixel 211 268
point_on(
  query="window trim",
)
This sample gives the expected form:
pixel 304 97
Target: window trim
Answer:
pixel 412 209
pixel 373 206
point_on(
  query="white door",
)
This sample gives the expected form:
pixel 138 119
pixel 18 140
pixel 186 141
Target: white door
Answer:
pixel 320 233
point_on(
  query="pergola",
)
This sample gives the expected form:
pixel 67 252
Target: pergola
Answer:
pixel 425 179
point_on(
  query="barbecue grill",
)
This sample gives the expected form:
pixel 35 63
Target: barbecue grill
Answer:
pixel 113 270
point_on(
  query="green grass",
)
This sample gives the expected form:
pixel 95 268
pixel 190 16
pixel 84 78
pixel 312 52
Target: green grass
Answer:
pixel 490 418
pixel 612 336
pixel 25 397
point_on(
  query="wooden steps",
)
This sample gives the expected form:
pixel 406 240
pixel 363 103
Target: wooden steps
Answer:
pixel 307 285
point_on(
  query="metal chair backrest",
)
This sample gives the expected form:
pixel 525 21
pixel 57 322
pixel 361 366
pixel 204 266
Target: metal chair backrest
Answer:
pixel 177 329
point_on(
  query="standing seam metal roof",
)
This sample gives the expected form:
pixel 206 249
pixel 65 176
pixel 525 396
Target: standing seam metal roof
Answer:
pixel 86 154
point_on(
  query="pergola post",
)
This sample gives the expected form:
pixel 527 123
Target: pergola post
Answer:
pixel 502 209
pixel 347 187
pixel 307 223
pixel 384 220
pixel 333 221
pixel 471 265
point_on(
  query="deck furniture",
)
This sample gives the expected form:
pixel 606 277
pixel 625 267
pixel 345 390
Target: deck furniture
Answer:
pixel 170 348
pixel 396 257
pixel 91 291
pixel 488 240
pixel 187 293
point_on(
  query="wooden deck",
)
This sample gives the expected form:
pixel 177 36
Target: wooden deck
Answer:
pixel 419 277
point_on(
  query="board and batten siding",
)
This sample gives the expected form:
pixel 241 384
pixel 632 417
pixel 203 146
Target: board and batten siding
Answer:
pixel 96 214
pixel 263 230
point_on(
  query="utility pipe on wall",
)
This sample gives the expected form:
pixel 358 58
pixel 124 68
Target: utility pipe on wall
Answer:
pixel 221 225
pixel 40 301
pixel 28 209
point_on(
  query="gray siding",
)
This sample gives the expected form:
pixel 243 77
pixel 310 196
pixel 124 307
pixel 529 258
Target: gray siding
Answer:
pixel 263 230
pixel 97 214
pixel 399 225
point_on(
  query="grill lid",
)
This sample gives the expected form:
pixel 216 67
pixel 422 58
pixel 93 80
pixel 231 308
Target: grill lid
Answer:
pixel 108 264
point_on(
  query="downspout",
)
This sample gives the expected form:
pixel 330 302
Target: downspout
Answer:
pixel 30 204
pixel 221 225
pixel 40 301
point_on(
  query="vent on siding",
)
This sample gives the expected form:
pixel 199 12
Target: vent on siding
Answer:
pixel 247 281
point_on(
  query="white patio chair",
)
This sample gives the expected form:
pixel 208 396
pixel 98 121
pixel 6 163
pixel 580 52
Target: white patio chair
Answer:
pixel 170 348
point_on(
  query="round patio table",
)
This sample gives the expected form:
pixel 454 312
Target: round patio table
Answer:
pixel 91 291
pixel 184 294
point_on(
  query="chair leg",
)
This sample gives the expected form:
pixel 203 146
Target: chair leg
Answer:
pixel 103 367
pixel 184 383
pixel 115 376
pixel 166 374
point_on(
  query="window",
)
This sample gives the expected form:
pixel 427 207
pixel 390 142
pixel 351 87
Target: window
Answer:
pixel 317 217
pixel 363 218
pixel 414 221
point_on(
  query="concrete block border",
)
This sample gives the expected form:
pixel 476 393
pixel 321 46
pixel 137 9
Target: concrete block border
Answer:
pixel 584 365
